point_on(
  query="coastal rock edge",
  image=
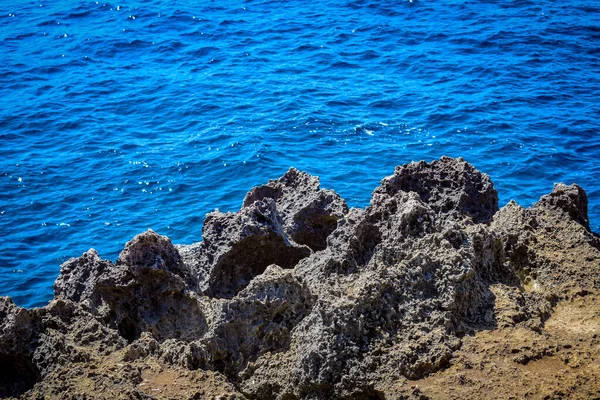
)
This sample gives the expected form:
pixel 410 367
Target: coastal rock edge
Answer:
pixel 431 291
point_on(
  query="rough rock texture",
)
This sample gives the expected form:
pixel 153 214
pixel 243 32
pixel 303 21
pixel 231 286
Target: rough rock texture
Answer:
pixel 429 292
pixel 397 286
pixel 36 343
pixel 279 223
pixel 309 214
pixel 238 246
pixel 19 331
pixel 142 292
pixel 152 251
pixel 450 186
pixel 550 245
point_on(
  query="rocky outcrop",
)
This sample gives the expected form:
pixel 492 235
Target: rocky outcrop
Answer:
pixel 550 245
pixel 452 188
pixel 36 343
pixel 279 223
pixel 309 214
pixel 294 296
pixel 144 291
pixel 396 286
pixel 237 247
pixel 19 332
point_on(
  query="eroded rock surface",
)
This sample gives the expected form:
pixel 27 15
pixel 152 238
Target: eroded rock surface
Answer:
pixel 238 246
pixel 550 244
pixel 143 291
pixel 309 214
pixel 296 297
pixel 452 187
pixel 396 287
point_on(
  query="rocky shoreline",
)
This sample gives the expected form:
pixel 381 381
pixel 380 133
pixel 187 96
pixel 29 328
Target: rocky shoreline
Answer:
pixel 431 291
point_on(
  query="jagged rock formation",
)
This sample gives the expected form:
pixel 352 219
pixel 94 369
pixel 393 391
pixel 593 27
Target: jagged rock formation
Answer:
pixel 297 297
pixel 309 214
pixel 550 245
pixel 279 223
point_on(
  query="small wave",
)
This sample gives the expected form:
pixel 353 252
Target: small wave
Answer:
pixel 134 44
pixel 203 51
pixel 307 47
pixel 48 23
pixel 369 55
pixel 344 65
pixel 229 22
pixel 77 15
pixel 170 46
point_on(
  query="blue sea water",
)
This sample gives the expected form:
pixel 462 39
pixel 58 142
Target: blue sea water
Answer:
pixel 118 117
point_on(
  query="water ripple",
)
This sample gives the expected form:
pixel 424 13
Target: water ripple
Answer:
pixel 119 118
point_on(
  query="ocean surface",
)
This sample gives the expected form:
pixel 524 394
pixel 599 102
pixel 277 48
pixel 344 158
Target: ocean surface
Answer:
pixel 118 117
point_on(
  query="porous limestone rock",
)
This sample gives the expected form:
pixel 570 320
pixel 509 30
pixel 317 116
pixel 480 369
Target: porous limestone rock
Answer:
pixel 296 297
pixel 238 246
pixel 143 291
pixel 396 287
pixel 149 250
pixel 452 187
pixel 19 332
pixel 258 320
pixel 309 214
pixel 550 245
pixel 570 200
pixel 79 277
pixel 279 223
pixel 35 343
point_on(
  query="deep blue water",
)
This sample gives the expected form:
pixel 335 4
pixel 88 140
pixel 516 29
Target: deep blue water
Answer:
pixel 118 117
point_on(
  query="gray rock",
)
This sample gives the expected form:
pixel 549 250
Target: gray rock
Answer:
pixel 69 335
pixel 550 245
pixel 141 348
pixel 571 200
pixel 395 288
pixel 309 214
pixel 237 247
pixel 451 186
pixel 296 297
pixel 257 321
pixel 34 343
pixel 279 223
pixel 143 291
pixel 19 333
pixel 79 277
pixel 149 250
